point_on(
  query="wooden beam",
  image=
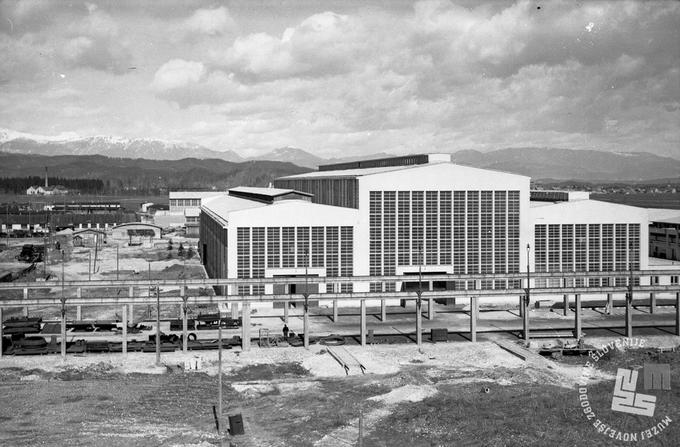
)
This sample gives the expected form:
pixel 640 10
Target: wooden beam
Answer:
pixel 629 317
pixel 285 312
pixel 652 302
pixel 677 313
pixel 363 322
pixel 383 310
pixel 245 327
pixel 525 320
pixel 335 311
pixel 565 300
pixel 125 324
pixel 577 317
pixel 2 341
pixel 430 308
pixel 610 303
pixel 473 318
pixel 419 323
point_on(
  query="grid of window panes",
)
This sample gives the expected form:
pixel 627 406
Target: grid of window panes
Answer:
pixel 417 232
pixel 475 231
pixel 431 228
pixel 331 247
pixel 288 247
pixel 592 247
pixel 274 247
pixel 445 227
pixel 258 251
pixel 303 247
pixel 375 238
pixel 346 256
pixel 459 232
pixel 389 237
pixel 243 258
pixel 513 231
pixel 472 232
pixel 317 246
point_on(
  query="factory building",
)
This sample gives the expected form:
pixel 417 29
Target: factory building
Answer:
pixel 402 215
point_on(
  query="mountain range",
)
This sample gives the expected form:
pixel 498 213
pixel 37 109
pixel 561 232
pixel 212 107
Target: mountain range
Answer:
pixel 537 163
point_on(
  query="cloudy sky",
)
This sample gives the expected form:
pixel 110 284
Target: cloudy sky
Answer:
pixel 347 77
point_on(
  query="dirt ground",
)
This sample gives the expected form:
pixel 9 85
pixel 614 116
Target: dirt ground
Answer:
pixel 444 394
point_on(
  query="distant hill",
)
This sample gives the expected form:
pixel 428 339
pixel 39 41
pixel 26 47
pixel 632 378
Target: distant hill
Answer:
pixel 292 155
pixel 567 164
pixel 125 174
pixel 20 143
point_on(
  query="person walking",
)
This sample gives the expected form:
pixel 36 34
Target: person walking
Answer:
pixel 285 331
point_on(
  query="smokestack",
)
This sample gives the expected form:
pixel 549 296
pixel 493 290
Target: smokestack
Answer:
pixel 46 177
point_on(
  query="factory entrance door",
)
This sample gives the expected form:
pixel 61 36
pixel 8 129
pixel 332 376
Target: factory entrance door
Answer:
pixel 296 288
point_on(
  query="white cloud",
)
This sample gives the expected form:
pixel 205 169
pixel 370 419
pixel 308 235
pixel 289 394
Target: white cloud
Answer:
pixel 177 73
pixel 210 21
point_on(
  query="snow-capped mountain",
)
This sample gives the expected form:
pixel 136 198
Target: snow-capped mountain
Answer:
pixel 71 144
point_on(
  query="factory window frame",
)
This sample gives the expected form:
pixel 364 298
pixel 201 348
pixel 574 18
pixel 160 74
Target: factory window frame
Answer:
pixel 317 247
pixel 594 249
pixel 445 227
pixel 417 227
pixel 303 253
pixel 288 247
pixel 472 232
pixel 404 228
pixel 540 249
pixel 273 247
pixel 459 232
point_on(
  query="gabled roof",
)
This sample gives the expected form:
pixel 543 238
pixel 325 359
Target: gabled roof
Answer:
pixel 220 207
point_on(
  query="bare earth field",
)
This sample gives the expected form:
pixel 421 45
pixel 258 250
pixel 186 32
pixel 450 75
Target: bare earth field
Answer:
pixel 448 394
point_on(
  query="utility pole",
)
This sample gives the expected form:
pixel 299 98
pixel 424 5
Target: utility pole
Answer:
pixel 219 369
pixel 305 316
pixel 419 323
pixel 89 266
pixel 63 310
pixel 117 262
pixel 158 326
pixel 629 305
pixel 527 299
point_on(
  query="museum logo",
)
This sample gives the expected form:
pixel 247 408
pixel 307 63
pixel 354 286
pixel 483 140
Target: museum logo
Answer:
pixel 627 396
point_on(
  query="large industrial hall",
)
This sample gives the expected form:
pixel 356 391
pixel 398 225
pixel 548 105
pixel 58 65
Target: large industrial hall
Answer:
pixel 419 214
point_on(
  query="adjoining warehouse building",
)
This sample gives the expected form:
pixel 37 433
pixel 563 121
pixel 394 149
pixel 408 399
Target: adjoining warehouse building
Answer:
pixel 664 234
pixel 185 207
pixel 402 215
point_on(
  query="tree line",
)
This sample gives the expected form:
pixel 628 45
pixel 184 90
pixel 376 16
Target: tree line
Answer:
pixel 19 185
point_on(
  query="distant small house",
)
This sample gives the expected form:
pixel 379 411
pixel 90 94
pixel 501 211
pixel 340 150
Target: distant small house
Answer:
pixel 136 233
pixel 88 237
pixel 46 190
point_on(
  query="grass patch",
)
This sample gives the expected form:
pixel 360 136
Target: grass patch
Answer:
pixel 268 372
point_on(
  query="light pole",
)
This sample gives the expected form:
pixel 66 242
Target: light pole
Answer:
pixel 63 310
pixel 305 315
pixel 419 323
pixel 158 326
pixel 527 299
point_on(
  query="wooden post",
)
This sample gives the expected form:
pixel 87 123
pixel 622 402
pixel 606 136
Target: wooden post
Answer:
pixel 521 307
pixel 652 302
pixel 79 308
pixel 245 327
pixel 125 320
pixel 182 292
pixel 285 312
pixel 473 319
pixel 63 330
pixel 383 310
pixel 335 311
pixel 677 313
pixel 525 319
pixel 629 316
pixel 577 318
pixel 419 323
pixel 363 322
pixel 565 300
pixel 25 297
pixel 2 341
pixel 305 326
pixel 185 326
pixel 234 310
pixel 131 294
pixel 430 308
pixel 610 303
